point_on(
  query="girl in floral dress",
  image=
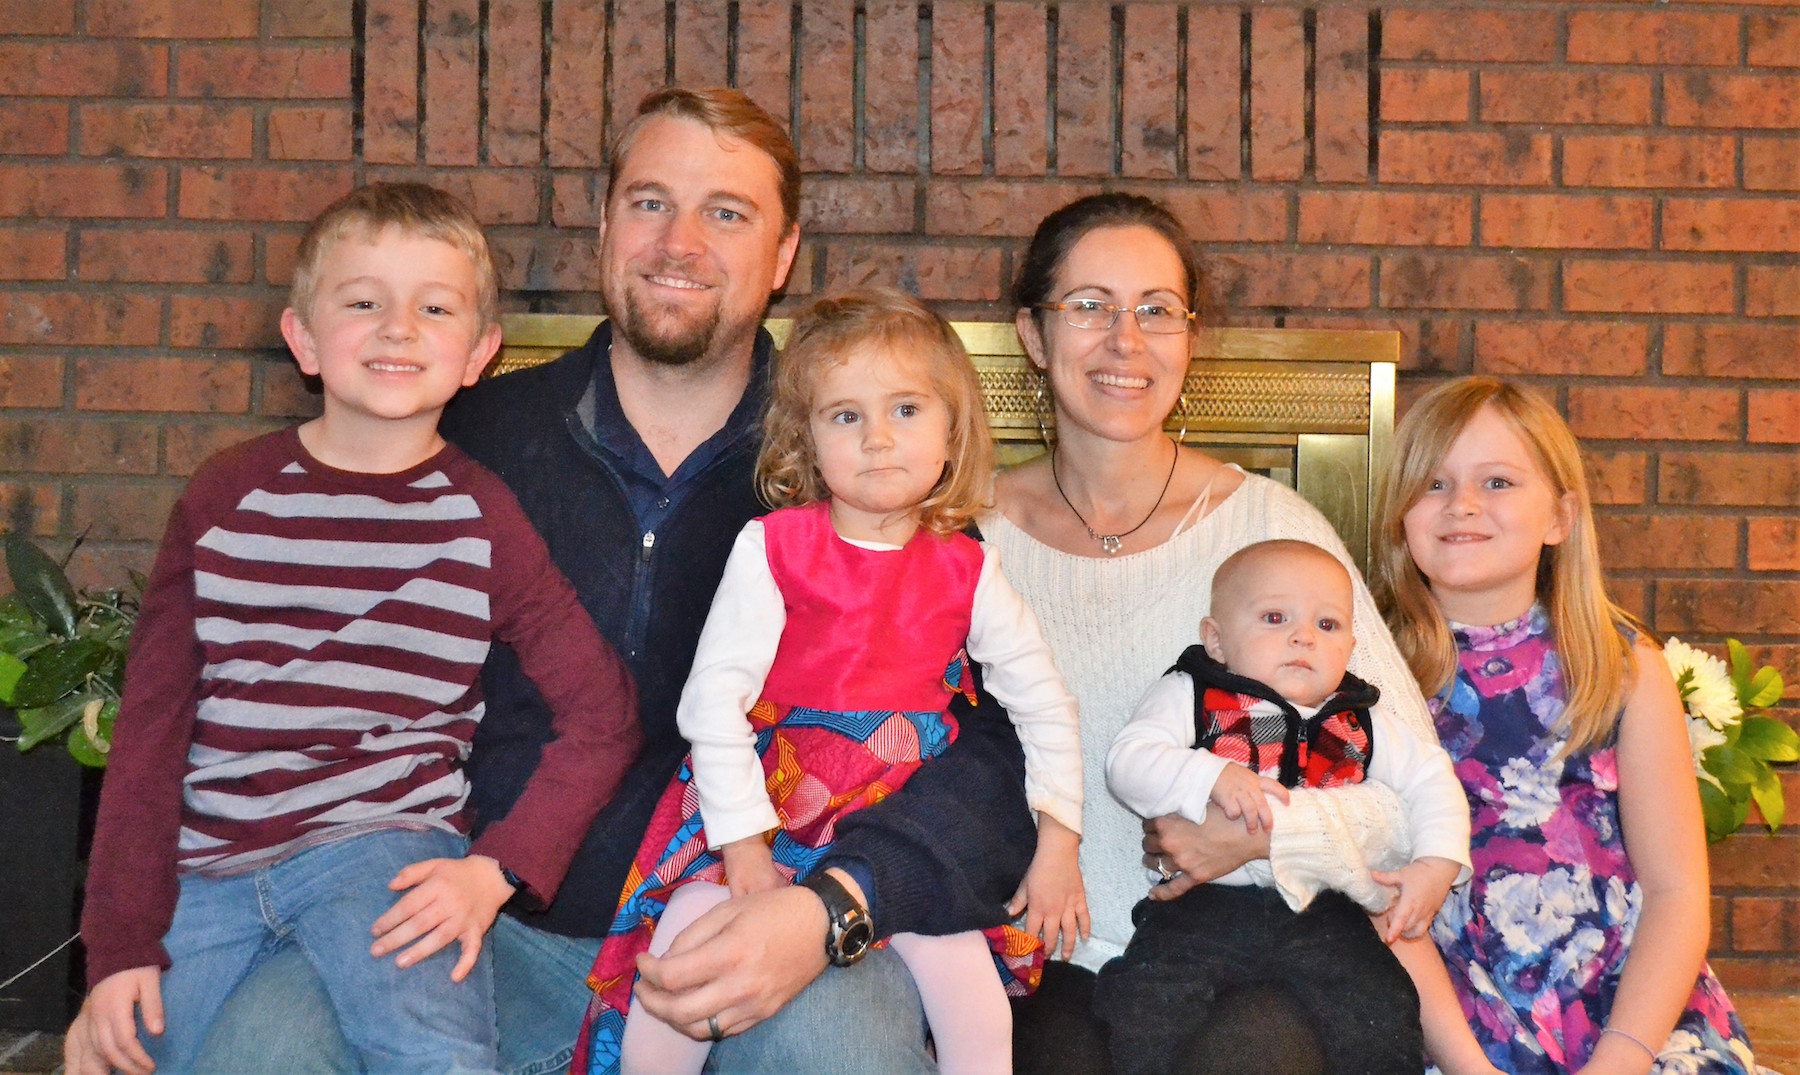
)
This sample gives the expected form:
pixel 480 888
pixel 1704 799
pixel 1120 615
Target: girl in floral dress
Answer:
pixel 1568 735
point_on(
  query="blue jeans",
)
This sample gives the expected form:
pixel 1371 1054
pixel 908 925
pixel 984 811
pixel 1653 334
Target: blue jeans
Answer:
pixel 321 903
pixel 867 1017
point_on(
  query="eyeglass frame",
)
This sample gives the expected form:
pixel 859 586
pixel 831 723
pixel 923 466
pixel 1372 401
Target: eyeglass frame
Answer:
pixel 1114 311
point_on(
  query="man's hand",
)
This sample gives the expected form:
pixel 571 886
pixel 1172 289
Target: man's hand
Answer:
pixel 1242 793
pixel 749 867
pixel 1052 896
pixel 1423 884
pixel 1196 853
pixel 104 1033
pixel 451 900
pixel 739 962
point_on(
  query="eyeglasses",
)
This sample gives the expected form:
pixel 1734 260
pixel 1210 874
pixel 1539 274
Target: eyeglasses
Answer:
pixel 1153 317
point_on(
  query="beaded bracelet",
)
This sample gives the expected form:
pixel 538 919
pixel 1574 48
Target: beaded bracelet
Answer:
pixel 1630 1037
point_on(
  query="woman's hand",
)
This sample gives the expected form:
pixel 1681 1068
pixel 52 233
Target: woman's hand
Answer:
pixel 1195 854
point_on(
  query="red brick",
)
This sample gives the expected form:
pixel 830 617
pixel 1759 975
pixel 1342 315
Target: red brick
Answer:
pixel 548 263
pixel 1718 607
pixel 995 208
pixel 172 18
pixel 702 34
pixel 83 69
pixel 1766 225
pixel 1774 417
pixel 162 384
pixel 1752 479
pixel 1021 124
pixel 1444 282
pixel 31 381
pixel 1433 346
pixel 279 252
pixel 1774 40
pixel 827 58
pixel 1214 119
pixel 1564 97
pixel 576 199
pixel 451 45
pixel 1774 544
pixel 76 446
pixel 1647 287
pixel 120 511
pixel 259 193
pixel 1662 38
pixel 1709 99
pixel 1665 542
pixel 75 319
pixel 1341 96
pixel 1084 71
pixel 33 508
pixel 37 16
pixel 1561 348
pixel 310 134
pixel 891 85
pixel 765 48
pixel 1615 477
pixel 1424 95
pixel 1639 413
pixel 1148 139
pixel 166 257
pixel 286 394
pixel 951 273
pixel 577 47
pixel 1765 924
pixel 262 71
pixel 1642 160
pixel 34 128
pixel 1509 158
pixel 307 18
pixel 1385 218
pixel 391 82
pixel 841 204
pixel 1519 35
pixel 1772 164
pixel 1327 281
pixel 224 322
pixel 515 87
pixel 1277 94
pixel 958 84
pixel 639 43
pixel 1691 350
pixel 1719 916
pixel 498 196
pixel 146 130
pixel 188 444
pixel 1228 214
pixel 33 254
pixel 1565 221
pixel 1772 291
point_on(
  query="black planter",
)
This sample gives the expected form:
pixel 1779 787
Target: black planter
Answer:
pixel 40 836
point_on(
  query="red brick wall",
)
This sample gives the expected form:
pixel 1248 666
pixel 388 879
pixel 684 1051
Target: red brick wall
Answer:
pixel 1601 199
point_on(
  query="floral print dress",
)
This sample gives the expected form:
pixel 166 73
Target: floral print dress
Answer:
pixel 1536 942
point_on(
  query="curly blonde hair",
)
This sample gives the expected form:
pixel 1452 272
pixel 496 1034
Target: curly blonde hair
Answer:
pixel 825 334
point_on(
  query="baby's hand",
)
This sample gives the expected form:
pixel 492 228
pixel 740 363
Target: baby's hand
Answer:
pixel 1423 884
pixel 1241 793
pixel 104 1034
pixel 1051 896
pixel 451 900
pixel 749 866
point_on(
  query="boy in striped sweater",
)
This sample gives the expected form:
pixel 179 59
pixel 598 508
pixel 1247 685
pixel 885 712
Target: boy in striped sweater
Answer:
pixel 303 687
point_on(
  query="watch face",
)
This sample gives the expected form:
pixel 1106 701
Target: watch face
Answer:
pixel 856 938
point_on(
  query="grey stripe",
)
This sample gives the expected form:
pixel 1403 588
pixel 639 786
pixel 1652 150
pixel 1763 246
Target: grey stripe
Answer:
pixel 428 592
pixel 357 506
pixel 372 633
pixel 345 674
pixel 435 480
pixel 240 713
pixel 313 551
pixel 224 805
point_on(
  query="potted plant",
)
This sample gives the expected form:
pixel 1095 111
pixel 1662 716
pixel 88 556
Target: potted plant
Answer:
pixel 1734 746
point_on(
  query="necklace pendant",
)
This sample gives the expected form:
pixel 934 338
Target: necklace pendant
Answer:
pixel 1110 544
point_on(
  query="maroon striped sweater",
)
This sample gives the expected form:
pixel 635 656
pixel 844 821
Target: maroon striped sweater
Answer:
pixel 306 667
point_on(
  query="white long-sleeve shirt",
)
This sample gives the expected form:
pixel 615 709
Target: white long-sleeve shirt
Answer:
pixel 737 649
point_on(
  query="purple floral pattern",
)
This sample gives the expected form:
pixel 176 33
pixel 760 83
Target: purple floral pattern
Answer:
pixel 1535 943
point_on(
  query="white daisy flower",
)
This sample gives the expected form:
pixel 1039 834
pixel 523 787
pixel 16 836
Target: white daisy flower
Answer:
pixel 1705 683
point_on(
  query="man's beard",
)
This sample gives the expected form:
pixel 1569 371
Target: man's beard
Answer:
pixel 675 341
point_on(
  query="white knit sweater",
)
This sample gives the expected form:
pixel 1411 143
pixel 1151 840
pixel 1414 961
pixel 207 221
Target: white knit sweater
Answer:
pixel 1116 624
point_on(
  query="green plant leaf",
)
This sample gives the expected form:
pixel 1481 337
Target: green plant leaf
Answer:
pixel 1717 809
pixel 1740 664
pixel 41 584
pixel 1768 739
pixel 56 671
pixel 11 668
pixel 47 722
pixel 1767 793
pixel 91 746
pixel 1764 690
pixel 1731 765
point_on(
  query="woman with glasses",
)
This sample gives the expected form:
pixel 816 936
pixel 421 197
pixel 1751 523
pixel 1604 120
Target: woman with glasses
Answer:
pixel 1113 536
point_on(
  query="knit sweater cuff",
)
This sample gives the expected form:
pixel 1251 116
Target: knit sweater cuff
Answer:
pixel 1312 849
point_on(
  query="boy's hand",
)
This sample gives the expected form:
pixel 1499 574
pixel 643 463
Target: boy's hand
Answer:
pixel 1242 793
pixel 750 867
pixel 1052 896
pixel 104 1033
pixel 451 900
pixel 1423 884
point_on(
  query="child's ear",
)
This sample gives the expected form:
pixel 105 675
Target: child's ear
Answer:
pixel 487 345
pixel 1211 638
pixel 1568 509
pixel 300 341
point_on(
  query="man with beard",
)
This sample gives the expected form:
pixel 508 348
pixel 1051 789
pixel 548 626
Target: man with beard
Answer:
pixel 634 457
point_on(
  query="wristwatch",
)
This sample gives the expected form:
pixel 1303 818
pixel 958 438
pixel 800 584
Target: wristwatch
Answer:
pixel 849 930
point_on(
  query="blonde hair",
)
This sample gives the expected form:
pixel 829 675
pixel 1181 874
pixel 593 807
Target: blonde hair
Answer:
pixel 787 471
pixel 723 111
pixel 415 209
pixel 1595 654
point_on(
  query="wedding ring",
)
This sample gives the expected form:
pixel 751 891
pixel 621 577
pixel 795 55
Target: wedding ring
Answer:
pixel 713 1032
pixel 1163 868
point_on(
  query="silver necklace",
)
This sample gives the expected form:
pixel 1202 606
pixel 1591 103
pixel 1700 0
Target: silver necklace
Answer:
pixel 1110 544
